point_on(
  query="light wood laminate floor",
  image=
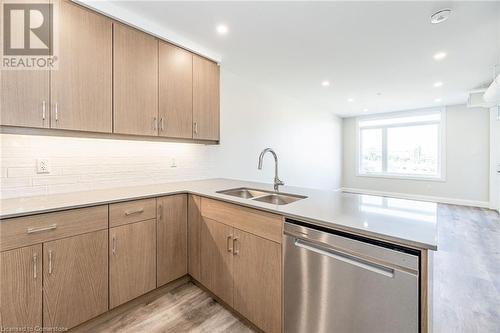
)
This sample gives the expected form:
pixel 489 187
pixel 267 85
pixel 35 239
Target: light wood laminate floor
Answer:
pixel 466 287
pixel 184 309
pixel 467 271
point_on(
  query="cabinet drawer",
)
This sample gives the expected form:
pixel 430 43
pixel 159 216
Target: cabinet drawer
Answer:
pixel 25 231
pixel 132 211
pixel 263 224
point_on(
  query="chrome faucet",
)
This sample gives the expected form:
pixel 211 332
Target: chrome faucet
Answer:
pixel 277 181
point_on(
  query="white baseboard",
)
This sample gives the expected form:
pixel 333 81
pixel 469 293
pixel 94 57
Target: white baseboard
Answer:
pixel 453 201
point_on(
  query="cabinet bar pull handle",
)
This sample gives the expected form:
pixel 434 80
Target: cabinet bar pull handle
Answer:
pixel 44 108
pixel 56 108
pixel 195 127
pixel 113 247
pixel 131 212
pixel 50 261
pixel 160 207
pixel 161 124
pixel 35 230
pixel 35 261
pixel 155 123
pixel 228 243
pixel 236 251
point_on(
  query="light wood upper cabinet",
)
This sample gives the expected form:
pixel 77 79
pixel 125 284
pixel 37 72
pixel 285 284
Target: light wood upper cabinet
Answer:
pixel 205 99
pixel 81 88
pixel 217 259
pixel 171 256
pixel 21 287
pixel 194 230
pixel 175 91
pixel 257 280
pixel 132 261
pixel 135 88
pixel 75 279
pixel 24 98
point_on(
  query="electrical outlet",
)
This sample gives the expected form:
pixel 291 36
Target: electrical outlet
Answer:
pixel 173 163
pixel 42 165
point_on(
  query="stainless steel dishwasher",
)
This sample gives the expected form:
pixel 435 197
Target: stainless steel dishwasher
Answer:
pixel 340 283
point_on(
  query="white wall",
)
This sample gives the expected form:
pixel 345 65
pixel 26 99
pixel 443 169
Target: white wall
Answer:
pixel 467 162
pixel 306 139
pixel 495 158
pixel 307 142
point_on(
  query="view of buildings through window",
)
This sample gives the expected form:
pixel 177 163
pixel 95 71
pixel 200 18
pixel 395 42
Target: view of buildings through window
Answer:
pixel 405 145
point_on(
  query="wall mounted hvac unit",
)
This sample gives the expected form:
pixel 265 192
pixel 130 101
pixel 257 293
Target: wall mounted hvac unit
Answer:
pixel 492 94
pixel 486 98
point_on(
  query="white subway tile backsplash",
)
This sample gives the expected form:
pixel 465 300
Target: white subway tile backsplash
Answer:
pixel 79 164
pixel 54 180
pixel 15 182
pixel 21 172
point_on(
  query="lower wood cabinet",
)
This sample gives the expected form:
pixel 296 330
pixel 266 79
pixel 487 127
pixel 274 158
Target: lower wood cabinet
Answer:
pixel 242 269
pixel 21 287
pixel 171 238
pixel 194 230
pixel 132 261
pixel 64 279
pixel 75 279
pixel 216 260
pixel 257 280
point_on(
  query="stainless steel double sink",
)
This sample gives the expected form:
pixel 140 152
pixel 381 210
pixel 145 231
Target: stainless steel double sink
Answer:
pixel 271 197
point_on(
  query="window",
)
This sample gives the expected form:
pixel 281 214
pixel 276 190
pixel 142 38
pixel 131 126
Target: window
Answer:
pixel 402 145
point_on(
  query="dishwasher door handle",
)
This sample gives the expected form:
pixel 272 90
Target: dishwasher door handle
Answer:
pixel 349 259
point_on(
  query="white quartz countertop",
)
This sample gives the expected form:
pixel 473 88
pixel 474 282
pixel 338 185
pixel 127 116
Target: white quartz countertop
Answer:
pixel 407 222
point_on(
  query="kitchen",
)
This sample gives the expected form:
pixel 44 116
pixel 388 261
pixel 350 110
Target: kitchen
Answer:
pixel 255 166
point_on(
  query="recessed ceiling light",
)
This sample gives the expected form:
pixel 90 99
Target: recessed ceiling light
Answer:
pixel 440 55
pixel 222 29
pixel 325 83
pixel 438 84
pixel 440 16
pixel 437 100
pixel 365 110
pixel 350 100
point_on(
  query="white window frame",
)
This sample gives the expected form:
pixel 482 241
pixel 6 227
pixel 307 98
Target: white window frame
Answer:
pixel 441 144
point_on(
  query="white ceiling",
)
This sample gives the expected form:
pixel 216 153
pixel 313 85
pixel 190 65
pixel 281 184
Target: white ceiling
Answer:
pixel 362 48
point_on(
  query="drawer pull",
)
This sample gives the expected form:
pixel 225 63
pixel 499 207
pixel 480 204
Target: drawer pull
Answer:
pixel 113 247
pixel 50 261
pixel 131 212
pixel 35 261
pixel 35 230
pixel 236 251
pixel 228 241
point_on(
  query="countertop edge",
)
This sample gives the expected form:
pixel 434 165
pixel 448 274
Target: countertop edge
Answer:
pixel 329 225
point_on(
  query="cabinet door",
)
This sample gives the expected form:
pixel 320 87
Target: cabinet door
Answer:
pixel 135 82
pixel 217 259
pixel 205 99
pixel 132 261
pixel 175 91
pixel 21 288
pixel 257 280
pixel 81 88
pixel 75 279
pixel 24 98
pixel 194 231
pixel 171 256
